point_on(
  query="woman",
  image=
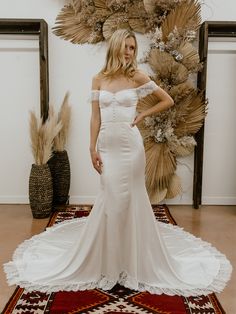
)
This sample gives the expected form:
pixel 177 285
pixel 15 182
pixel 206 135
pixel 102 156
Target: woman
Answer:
pixel 120 241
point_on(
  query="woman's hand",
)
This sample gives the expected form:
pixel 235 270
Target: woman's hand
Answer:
pixel 96 161
pixel 137 119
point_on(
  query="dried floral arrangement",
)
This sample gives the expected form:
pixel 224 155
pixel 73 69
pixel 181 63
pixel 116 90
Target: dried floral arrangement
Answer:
pixel 64 117
pixel 42 135
pixel 172 26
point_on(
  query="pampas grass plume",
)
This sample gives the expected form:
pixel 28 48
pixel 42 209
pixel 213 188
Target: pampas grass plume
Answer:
pixel 64 116
pixel 42 136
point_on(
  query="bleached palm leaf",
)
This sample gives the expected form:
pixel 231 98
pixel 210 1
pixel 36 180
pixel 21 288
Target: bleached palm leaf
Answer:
pixel 160 165
pixel 193 111
pixel 191 58
pixel 73 27
pixel 181 91
pixel 156 6
pixel 174 187
pixel 76 4
pixel 158 196
pixel 100 4
pixel 182 150
pixel 160 61
pixel 150 6
pixel 138 24
pixel 139 20
pixel 114 22
pixel 146 103
pixel 186 16
pixel 167 68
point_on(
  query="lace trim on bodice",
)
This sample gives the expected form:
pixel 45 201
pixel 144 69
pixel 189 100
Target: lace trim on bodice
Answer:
pixel 142 91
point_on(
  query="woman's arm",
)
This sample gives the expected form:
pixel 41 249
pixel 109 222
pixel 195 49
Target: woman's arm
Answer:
pixel 95 123
pixel 165 100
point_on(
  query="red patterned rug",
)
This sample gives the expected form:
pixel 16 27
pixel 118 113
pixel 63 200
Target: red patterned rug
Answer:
pixel 115 301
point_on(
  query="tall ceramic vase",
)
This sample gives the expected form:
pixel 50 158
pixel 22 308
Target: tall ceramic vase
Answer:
pixel 60 170
pixel 40 191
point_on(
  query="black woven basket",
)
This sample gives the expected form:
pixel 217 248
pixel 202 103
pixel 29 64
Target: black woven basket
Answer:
pixel 40 191
pixel 60 170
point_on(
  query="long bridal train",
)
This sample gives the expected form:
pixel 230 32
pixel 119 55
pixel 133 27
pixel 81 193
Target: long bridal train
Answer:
pixel 120 241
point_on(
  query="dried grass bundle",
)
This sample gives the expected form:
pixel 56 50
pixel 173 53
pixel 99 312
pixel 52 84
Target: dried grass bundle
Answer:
pixel 185 17
pixel 42 136
pixel 64 116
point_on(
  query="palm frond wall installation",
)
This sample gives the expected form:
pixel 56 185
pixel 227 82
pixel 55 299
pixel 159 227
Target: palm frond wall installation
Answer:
pixel 172 26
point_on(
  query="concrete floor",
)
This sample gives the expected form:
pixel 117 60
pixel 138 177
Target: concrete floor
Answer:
pixel 215 224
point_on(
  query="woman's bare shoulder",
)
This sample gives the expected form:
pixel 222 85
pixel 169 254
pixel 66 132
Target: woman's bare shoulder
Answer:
pixel 141 77
pixel 96 81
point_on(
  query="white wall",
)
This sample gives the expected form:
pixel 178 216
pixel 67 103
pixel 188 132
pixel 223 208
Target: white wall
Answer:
pixel 219 171
pixel 70 68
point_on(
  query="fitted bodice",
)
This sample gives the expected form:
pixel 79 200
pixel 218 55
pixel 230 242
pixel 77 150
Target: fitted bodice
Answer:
pixel 120 106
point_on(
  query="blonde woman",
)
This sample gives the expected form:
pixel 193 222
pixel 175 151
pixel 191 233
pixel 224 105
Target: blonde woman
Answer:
pixel 120 241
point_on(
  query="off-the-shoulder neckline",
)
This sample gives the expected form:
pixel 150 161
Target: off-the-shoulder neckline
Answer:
pixel 121 90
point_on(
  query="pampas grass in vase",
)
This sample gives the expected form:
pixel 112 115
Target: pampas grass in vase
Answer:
pixel 59 162
pixel 40 180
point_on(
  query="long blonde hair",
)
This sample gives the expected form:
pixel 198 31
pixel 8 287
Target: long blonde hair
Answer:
pixel 115 61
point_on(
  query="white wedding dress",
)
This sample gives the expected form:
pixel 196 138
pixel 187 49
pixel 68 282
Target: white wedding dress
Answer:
pixel 120 241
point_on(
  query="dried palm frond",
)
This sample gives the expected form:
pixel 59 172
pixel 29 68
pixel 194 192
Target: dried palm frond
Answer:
pixel 69 26
pixel 185 17
pixel 120 5
pixel 183 151
pixel 174 187
pixel 63 117
pixel 149 6
pixel 147 102
pixel 190 55
pixel 139 20
pixel 42 136
pixel 114 22
pixel 167 69
pixel 160 165
pixel 181 91
pixel 191 115
pixel 77 28
pixel 100 4
pixel 144 104
pixel 76 4
pixel 156 6
pixel 138 24
pixel 158 196
pixel 183 146
pixel 160 61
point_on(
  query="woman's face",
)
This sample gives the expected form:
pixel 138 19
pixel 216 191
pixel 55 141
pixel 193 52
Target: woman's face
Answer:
pixel 129 49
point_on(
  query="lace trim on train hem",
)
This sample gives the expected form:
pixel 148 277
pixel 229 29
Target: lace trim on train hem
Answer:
pixel 124 278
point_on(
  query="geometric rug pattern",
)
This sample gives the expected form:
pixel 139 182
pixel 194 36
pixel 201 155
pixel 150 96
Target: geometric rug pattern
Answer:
pixel 118 300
